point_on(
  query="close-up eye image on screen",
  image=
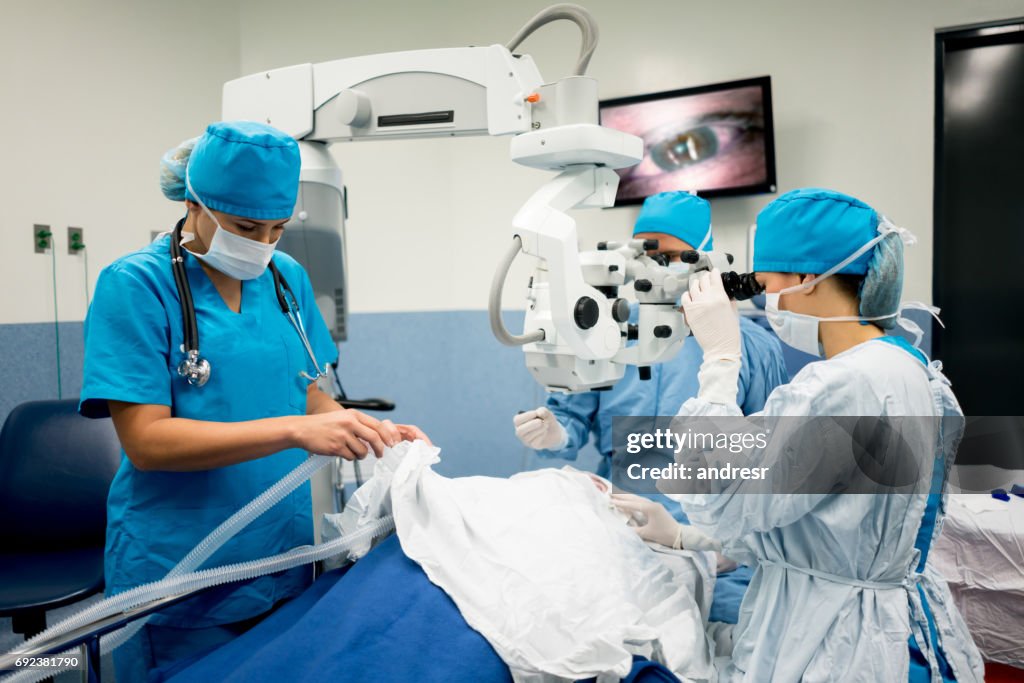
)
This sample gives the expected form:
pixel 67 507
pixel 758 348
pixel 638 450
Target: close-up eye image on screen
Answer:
pixel 716 140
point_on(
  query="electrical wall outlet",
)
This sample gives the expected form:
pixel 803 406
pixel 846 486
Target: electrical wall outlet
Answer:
pixel 42 238
pixel 76 240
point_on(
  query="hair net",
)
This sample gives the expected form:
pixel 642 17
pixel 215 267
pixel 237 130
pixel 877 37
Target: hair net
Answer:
pixel 680 214
pixel 245 168
pixel 172 170
pixel 883 284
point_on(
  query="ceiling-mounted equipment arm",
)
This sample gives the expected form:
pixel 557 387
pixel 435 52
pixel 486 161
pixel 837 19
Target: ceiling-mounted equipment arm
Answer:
pixel 572 334
pixel 422 93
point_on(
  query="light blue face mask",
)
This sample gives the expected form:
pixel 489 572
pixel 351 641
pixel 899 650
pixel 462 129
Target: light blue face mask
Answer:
pixel 235 256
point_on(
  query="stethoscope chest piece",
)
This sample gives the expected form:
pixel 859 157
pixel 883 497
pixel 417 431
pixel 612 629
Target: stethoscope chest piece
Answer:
pixel 195 369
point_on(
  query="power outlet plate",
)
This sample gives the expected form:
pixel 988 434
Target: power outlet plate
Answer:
pixel 42 238
pixel 76 240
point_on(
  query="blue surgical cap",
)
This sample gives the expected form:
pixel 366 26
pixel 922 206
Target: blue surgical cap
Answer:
pixel 245 169
pixel 812 230
pixel 680 214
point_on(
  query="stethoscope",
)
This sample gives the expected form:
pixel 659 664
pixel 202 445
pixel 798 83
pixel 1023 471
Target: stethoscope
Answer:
pixel 196 369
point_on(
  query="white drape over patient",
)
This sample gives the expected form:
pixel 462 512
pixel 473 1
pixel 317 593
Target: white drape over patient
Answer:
pixel 545 569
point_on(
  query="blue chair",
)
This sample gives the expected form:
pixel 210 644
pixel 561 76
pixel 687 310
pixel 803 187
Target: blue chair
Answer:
pixel 55 469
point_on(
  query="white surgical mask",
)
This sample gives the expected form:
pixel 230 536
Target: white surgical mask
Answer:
pixel 801 331
pixel 794 329
pixel 678 267
pixel 235 256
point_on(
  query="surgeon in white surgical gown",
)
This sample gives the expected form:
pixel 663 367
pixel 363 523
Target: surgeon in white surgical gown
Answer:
pixel 841 590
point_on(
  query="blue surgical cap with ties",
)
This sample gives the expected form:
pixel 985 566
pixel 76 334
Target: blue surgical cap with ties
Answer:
pixel 242 168
pixel 679 214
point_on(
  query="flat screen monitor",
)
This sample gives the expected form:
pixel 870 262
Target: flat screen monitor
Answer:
pixel 713 140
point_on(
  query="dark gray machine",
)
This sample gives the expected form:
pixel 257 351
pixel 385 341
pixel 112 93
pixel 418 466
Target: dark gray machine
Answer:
pixel 315 237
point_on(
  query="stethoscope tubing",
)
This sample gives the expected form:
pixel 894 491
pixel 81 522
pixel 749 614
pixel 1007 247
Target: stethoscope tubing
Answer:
pixel 188 311
pixel 190 326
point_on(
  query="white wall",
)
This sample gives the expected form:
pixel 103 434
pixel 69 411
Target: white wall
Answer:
pixel 92 95
pixel 853 84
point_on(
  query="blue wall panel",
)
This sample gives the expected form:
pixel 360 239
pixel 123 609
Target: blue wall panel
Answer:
pixel 28 364
pixel 444 370
pixel 447 374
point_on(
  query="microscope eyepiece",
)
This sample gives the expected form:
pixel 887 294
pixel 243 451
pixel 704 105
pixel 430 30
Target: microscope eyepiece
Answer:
pixel 690 256
pixel 741 286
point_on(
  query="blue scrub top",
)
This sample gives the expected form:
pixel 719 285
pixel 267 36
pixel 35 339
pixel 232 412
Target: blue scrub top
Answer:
pixel 133 337
pixel 671 384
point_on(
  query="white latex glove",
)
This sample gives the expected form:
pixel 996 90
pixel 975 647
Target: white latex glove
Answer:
pixel 712 317
pixel 657 525
pixel 654 523
pixel 539 429
pixel 716 325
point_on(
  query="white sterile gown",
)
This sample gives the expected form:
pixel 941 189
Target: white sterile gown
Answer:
pixel 837 593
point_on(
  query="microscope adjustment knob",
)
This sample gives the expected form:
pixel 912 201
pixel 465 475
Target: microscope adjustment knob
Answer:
pixel 353 108
pixel 645 372
pixel 586 313
pixel 672 284
pixel 643 285
pixel 620 310
pixel 662 331
pixel 632 333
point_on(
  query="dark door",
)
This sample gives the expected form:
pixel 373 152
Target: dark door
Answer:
pixel 979 215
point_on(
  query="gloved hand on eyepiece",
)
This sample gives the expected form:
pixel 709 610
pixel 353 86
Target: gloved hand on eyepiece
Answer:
pixel 712 316
pixel 539 429
pixel 713 319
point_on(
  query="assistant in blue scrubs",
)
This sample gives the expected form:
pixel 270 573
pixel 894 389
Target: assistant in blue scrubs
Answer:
pixel 193 455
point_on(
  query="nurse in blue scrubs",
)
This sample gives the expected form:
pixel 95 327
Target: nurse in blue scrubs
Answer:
pixel 196 453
